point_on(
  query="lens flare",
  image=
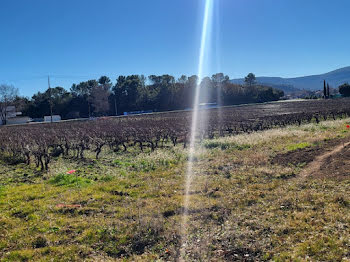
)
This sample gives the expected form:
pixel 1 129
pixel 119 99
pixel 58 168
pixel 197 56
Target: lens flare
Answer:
pixel 203 57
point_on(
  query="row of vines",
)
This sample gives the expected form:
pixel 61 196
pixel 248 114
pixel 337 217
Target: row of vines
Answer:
pixel 40 143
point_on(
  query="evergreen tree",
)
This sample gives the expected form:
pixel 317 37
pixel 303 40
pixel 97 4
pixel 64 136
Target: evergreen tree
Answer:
pixel 328 90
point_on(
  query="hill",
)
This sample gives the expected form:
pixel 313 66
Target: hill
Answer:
pixel 312 82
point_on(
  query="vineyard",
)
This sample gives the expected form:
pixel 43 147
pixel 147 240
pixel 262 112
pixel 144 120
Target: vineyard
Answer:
pixel 40 143
pixel 271 184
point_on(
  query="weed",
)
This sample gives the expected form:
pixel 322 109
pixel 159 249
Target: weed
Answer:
pixel 298 146
pixel 69 180
pixel 223 145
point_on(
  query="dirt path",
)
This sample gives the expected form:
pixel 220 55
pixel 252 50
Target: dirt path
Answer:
pixel 316 164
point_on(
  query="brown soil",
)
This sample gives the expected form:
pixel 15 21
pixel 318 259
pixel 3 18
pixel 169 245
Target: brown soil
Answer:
pixel 336 165
pixel 328 159
pixel 305 155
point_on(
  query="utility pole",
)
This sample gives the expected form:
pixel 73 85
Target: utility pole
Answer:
pixel 50 101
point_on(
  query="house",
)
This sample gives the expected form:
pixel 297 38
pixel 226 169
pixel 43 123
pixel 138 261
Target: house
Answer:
pixel 55 118
pixel 13 117
pixel 18 120
pixel 11 112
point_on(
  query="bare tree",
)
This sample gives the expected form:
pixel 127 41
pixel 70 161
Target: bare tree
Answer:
pixel 8 94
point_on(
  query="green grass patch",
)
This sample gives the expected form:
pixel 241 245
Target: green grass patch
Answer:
pixel 322 248
pixel 293 147
pixel 146 163
pixel 120 163
pixel 211 144
pixel 2 189
pixel 25 255
pixel 142 165
pixel 69 180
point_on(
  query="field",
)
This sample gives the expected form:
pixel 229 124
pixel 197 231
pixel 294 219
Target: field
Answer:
pixel 271 183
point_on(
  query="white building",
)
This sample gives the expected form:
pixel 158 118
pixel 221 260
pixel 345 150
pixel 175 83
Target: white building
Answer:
pixel 55 118
pixel 18 120
pixel 13 117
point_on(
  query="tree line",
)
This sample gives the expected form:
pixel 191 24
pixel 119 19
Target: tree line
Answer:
pixel 102 97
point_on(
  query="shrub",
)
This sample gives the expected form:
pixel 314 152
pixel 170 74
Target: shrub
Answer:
pixel 344 89
pixel 39 242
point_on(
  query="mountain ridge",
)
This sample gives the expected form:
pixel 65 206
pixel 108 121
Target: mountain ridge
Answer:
pixel 312 82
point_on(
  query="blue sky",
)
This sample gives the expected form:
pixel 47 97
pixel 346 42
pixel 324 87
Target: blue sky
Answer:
pixel 76 40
